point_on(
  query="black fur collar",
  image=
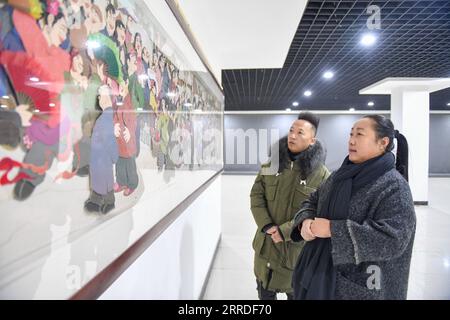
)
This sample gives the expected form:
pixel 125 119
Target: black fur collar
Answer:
pixel 308 160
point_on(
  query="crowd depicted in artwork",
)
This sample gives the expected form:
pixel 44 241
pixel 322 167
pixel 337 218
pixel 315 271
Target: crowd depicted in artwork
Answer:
pixel 77 81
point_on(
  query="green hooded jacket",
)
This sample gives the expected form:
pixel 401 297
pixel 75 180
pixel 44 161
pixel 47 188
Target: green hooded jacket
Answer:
pixel 275 199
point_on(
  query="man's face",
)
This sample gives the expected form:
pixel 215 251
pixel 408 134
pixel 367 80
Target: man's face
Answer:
pixel 111 19
pixel 301 136
pixel 105 100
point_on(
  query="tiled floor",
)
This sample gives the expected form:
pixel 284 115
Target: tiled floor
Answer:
pixel 232 274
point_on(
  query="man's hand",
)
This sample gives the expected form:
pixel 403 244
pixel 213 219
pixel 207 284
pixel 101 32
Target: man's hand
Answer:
pixel 275 234
pixel 117 130
pixel 320 228
pixel 305 230
pixel 126 135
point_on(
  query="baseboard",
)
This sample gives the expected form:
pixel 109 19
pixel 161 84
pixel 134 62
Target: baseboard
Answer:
pixel 240 173
pixel 205 283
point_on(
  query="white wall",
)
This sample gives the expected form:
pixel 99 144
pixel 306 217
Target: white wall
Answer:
pixel 175 266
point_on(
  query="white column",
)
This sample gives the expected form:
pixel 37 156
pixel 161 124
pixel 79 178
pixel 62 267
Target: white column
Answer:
pixel 410 115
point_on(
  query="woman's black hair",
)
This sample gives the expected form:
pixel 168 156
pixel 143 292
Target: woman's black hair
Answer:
pixel 385 128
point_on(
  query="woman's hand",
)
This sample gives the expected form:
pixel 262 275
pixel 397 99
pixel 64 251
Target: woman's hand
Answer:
pixel 305 230
pixel 320 228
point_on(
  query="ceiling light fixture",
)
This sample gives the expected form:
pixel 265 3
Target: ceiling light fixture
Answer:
pixel 328 75
pixel 288 109
pixel 307 93
pixel 368 39
pixel 351 109
pixel 295 104
pixel 371 104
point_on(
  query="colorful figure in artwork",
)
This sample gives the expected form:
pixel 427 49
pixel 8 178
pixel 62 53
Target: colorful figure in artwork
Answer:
pixel 72 70
pixel 38 86
pixel 125 123
pixel 104 154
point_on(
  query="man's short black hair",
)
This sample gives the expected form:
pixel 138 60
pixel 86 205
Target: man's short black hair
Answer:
pixel 110 9
pixel 311 118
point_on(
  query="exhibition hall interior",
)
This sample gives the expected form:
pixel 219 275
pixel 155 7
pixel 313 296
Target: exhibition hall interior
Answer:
pixel 224 150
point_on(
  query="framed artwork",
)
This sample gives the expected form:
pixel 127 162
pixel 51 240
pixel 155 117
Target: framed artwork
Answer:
pixel 105 126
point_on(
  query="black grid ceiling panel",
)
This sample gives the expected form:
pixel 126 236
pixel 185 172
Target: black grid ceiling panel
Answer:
pixel 414 41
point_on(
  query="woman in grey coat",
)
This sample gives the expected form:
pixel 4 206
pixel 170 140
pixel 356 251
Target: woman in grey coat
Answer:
pixel 359 225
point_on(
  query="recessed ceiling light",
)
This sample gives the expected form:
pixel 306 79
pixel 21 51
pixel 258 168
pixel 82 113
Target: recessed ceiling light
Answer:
pixel 371 104
pixel 368 39
pixel 295 104
pixel 328 75
pixel 307 93
pixel 5 97
pixel 448 104
pixel 34 79
pixel 351 109
pixel 288 109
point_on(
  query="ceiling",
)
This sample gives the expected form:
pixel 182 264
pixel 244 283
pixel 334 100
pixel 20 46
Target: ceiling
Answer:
pixel 414 41
pixel 237 34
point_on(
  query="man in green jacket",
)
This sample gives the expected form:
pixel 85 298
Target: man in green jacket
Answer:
pixel 275 198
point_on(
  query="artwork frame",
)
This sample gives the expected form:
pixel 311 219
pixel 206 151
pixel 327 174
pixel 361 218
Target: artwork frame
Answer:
pixel 53 247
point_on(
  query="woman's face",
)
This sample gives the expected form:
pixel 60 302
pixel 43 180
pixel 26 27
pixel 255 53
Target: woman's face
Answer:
pixel 122 56
pixel 121 35
pixel 105 100
pixel 77 64
pixel 138 45
pixel 145 54
pixel 363 144
pixel 58 33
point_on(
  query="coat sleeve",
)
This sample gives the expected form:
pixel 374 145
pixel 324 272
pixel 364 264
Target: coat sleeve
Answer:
pixel 384 237
pixel 258 203
pixel 308 210
pixel 111 143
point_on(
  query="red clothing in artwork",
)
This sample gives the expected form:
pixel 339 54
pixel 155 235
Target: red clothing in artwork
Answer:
pixel 126 117
pixel 48 62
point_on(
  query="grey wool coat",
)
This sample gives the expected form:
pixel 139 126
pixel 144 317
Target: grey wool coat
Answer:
pixel 371 250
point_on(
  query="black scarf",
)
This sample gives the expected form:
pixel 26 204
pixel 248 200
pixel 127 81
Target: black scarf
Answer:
pixel 293 156
pixel 314 275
